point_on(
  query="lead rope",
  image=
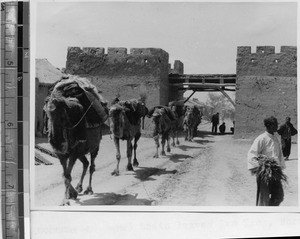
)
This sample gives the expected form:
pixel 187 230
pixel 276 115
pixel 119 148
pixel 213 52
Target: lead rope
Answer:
pixel 82 117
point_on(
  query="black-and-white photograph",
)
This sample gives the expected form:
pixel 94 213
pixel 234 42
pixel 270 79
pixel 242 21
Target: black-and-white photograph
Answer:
pixel 165 104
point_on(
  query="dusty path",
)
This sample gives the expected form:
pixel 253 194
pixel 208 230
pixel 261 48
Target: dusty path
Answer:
pixel 211 171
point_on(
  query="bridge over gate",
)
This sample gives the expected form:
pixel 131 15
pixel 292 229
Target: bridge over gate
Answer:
pixel 205 83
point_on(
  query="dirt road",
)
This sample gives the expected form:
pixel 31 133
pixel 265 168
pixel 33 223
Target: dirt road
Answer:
pixel 211 171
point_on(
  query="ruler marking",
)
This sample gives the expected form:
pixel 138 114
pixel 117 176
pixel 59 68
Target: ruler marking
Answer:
pixel 15 62
pixel 10 188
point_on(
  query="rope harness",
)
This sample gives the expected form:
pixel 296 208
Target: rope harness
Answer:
pixel 82 117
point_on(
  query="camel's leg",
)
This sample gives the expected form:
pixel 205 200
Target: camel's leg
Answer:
pixel 156 140
pixel 186 130
pixel 188 134
pixel 191 134
pixel 70 192
pixel 176 135
pixel 118 156
pixel 63 162
pixel 173 141
pixel 195 131
pixel 129 155
pixel 163 142
pixel 85 163
pixel 136 139
pixel 168 143
pixel 172 135
pixel 92 170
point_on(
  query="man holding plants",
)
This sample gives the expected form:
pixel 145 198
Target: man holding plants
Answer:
pixel 265 160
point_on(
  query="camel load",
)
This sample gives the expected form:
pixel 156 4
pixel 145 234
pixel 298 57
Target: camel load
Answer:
pixel 87 95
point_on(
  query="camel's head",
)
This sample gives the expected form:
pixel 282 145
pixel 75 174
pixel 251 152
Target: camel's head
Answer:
pixel 158 114
pixel 57 123
pixel 189 114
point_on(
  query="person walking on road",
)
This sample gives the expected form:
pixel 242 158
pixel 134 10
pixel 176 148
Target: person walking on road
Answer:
pixel 215 122
pixel 266 148
pixel 286 132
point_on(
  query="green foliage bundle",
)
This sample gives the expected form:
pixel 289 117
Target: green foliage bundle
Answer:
pixel 268 170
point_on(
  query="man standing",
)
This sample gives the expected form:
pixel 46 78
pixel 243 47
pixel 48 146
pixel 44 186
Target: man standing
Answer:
pixel 267 145
pixel 286 132
pixel 215 122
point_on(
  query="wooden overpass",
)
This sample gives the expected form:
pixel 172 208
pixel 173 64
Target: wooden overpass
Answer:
pixel 205 83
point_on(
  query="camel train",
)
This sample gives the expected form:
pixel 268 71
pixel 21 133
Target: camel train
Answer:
pixel 76 112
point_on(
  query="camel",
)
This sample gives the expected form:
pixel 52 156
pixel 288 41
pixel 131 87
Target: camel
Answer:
pixel 178 109
pixel 192 119
pixel 162 117
pixel 75 115
pixel 125 124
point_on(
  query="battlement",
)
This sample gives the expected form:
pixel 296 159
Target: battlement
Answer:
pixel 178 68
pixel 266 62
pixel 117 51
pixel 266 50
pixel 94 60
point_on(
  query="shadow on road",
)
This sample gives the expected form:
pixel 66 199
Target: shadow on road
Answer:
pixel 187 147
pixel 176 158
pixel 114 199
pixel 204 134
pixel 144 173
pixel 202 141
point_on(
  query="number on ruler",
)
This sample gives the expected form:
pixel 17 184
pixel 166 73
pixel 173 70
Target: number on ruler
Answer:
pixel 26 54
pixel 2 6
pixel 9 124
pixel 11 186
pixel 9 63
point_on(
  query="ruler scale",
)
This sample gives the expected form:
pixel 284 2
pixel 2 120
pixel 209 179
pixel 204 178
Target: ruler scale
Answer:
pixel 14 122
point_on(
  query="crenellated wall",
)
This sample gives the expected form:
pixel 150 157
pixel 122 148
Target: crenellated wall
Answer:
pixel 117 72
pixel 266 85
pixel 94 61
pixel 143 70
pixel 266 62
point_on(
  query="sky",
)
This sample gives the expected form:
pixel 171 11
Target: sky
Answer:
pixel 202 35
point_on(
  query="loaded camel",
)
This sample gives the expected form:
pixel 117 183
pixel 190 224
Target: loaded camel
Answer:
pixel 178 109
pixel 192 118
pixel 125 124
pixel 162 118
pixel 75 114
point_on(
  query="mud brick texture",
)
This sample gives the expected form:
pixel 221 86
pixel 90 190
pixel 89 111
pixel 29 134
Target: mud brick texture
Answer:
pixel 266 85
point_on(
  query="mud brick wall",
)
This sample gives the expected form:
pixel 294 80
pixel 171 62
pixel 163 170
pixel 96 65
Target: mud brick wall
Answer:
pixel 143 70
pixel 266 85
pixel 174 93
